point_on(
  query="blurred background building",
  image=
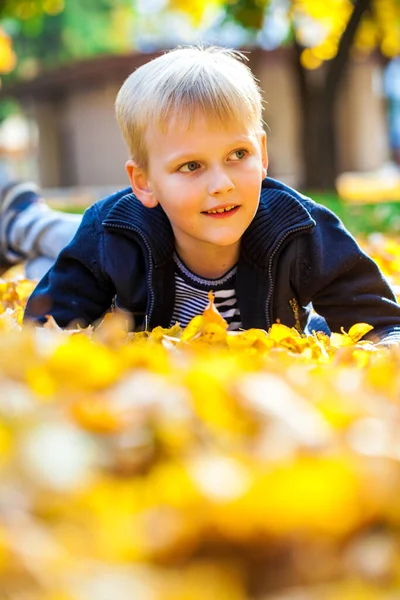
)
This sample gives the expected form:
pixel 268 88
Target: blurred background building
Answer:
pixel 79 143
pixel 328 76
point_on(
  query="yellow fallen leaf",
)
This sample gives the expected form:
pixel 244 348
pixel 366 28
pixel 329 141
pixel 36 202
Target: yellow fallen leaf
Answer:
pixel 357 331
pixel 279 332
pixel 211 314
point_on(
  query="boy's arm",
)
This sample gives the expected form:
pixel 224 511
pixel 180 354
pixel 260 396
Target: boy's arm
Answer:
pixel 75 289
pixel 344 285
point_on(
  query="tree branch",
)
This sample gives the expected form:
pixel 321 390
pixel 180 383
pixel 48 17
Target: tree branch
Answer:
pixel 338 64
pixel 299 69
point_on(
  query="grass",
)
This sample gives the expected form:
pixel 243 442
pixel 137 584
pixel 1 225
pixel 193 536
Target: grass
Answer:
pixel 362 219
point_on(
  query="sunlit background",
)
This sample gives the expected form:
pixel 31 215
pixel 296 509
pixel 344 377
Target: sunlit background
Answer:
pixel 329 70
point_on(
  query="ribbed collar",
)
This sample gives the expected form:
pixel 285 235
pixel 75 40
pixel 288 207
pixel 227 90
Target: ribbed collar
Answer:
pixel 150 223
pixel 278 213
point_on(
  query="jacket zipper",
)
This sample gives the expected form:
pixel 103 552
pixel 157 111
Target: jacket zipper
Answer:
pixel 270 278
pixel 150 273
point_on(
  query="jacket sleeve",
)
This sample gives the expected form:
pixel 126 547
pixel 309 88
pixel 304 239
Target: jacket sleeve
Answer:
pixel 344 285
pixel 75 289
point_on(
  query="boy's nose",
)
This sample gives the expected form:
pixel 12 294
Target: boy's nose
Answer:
pixel 220 183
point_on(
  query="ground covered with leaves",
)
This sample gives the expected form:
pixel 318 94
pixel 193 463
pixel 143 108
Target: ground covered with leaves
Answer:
pixel 191 464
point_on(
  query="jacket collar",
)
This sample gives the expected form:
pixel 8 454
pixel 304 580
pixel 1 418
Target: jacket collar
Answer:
pixel 151 224
pixel 279 213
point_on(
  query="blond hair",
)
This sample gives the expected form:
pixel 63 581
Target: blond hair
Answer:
pixel 181 82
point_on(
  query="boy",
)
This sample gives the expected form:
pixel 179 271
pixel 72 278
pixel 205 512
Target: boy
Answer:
pixel 202 215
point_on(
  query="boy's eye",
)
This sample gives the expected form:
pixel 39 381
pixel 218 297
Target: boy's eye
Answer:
pixel 239 154
pixel 189 166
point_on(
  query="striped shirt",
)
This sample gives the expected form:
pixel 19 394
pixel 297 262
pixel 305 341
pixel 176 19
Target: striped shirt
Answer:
pixel 191 296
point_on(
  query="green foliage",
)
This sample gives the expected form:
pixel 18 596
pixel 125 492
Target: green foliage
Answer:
pixel 249 13
pixel 7 108
pixel 362 219
pixel 82 29
pixel 88 27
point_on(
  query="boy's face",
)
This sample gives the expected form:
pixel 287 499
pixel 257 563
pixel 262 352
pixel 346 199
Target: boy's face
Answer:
pixel 206 167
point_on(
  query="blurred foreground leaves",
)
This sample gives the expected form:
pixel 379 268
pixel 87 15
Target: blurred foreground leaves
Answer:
pixel 182 465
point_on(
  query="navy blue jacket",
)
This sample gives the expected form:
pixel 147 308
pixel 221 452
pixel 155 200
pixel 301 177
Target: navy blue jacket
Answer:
pixel 294 253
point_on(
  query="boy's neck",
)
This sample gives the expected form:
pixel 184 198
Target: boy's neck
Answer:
pixel 210 264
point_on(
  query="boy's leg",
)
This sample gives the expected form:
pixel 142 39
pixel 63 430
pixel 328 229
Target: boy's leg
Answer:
pixel 37 267
pixel 30 230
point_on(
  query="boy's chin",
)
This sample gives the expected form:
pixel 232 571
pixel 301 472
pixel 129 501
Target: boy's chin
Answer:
pixel 226 240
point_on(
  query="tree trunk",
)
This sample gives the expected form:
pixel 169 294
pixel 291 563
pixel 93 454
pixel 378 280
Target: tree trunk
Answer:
pixel 318 136
pixel 317 93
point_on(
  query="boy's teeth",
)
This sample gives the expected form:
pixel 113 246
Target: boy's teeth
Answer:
pixel 221 210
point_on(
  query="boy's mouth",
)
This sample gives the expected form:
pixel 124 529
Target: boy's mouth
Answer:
pixel 222 211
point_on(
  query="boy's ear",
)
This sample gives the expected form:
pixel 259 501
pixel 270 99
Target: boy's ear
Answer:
pixel 264 153
pixel 140 184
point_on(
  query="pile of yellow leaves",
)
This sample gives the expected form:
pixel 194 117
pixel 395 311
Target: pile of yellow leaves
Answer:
pixel 197 463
